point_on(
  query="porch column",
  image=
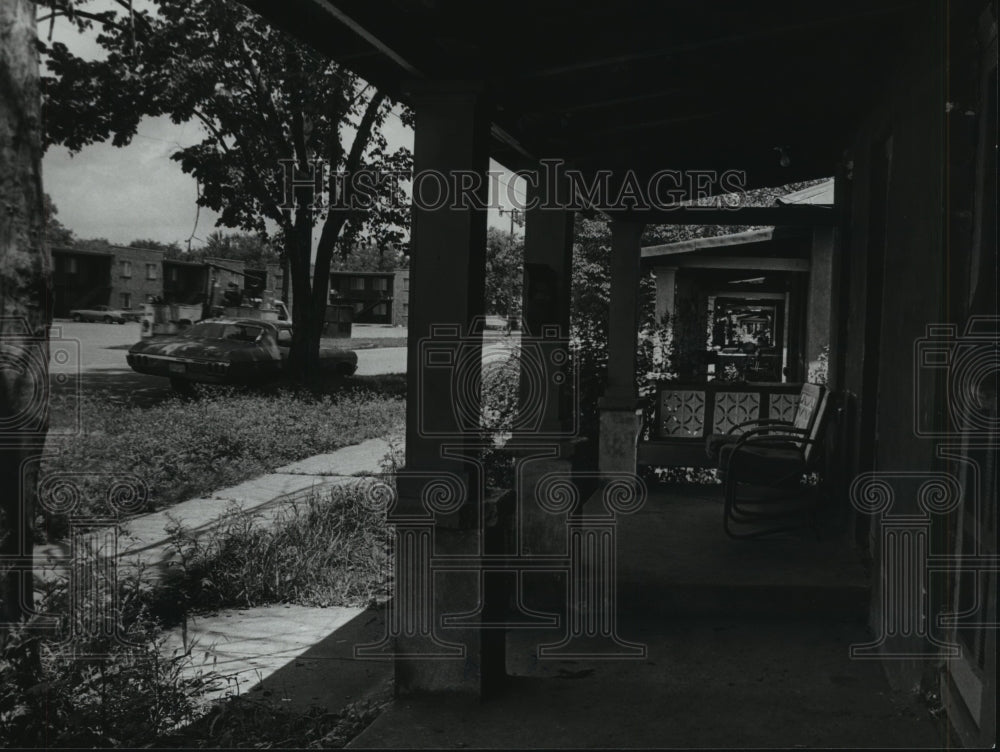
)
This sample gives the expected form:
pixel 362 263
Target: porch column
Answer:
pixel 819 295
pixel 548 254
pixel 666 280
pixel 542 442
pixel 620 412
pixel 447 273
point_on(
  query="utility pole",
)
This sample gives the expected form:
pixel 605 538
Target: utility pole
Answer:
pixel 515 216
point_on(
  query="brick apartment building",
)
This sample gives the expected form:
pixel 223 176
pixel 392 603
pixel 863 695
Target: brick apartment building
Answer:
pixel 376 297
pixel 125 277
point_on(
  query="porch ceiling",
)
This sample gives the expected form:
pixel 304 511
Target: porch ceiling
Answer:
pixel 629 84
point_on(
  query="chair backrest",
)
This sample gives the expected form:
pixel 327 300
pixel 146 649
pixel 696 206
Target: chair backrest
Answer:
pixel 817 427
pixel 809 400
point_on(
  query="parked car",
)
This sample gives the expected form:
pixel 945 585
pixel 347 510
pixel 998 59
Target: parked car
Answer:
pixel 228 351
pixel 133 314
pixel 104 313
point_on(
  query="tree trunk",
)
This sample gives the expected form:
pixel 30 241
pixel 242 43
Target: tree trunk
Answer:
pixel 303 357
pixel 285 273
pixel 25 287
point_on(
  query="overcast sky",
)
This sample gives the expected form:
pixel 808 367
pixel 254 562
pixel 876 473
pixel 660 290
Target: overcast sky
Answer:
pixel 137 191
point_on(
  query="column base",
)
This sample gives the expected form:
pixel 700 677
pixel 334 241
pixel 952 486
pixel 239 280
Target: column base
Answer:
pixel 619 437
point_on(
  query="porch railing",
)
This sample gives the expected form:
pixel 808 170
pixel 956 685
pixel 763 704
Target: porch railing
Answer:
pixel 683 415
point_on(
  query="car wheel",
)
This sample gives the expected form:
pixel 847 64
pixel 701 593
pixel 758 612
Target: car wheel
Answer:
pixel 77 317
pixel 107 319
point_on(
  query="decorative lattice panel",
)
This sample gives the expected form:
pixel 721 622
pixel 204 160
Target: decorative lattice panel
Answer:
pixel 682 413
pixel 783 406
pixel 733 408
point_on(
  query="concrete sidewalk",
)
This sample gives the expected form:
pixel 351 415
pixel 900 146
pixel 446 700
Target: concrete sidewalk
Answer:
pixel 287 653
pixel 295 656
pixel 147 542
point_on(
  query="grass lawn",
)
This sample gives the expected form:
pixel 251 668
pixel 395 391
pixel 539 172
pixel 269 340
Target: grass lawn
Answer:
pixel 181 449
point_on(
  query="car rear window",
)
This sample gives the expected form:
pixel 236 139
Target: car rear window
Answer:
pixel 237 332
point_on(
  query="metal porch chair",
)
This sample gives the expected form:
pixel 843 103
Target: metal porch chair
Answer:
pixel 763 473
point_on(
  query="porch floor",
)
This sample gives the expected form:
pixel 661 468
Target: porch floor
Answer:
pixel 747 646
pixel 674 557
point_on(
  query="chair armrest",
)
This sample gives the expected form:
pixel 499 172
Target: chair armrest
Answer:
pixel 759 422
pixel 780 429
pixel 745 441
pixel 797 438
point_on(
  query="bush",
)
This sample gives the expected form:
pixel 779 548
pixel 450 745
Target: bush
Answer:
pixel 328 550
pixel 182 449
pixel 87 690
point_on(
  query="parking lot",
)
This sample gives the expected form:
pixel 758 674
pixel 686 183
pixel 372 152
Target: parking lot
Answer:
pixel 92 356
pixel 102 347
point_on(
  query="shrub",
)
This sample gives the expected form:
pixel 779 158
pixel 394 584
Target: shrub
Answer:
pixel 79 689
pixel 819 369
pixel 327 550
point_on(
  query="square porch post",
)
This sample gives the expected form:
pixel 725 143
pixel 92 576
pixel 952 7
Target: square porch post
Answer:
pixel 447 274
pixel 666 283
pixel 546 292
pixel 621 415
pixel 543 440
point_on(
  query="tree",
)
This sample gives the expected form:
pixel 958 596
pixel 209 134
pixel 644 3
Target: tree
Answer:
pixel 168 248
pixel 371 258
pixel 25 300
pixel 504 272
pixel 243 246
pixel 270 107
pixel 57 233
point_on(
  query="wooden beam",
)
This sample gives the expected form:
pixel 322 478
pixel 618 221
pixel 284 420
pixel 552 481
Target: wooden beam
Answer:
pixel 728 40
pixel 750 263
pixel 548 105
pixel 331 9
pixel 777 216
pixel 700 244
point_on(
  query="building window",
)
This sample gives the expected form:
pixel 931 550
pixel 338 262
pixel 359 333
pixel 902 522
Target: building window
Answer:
pixel 126 268
pixel 173 273
pixel 381 309
pixel 151 271
pixel 69 265
pixel 126 299
pixel 406 283
pixel 380 283
pixel 357 283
